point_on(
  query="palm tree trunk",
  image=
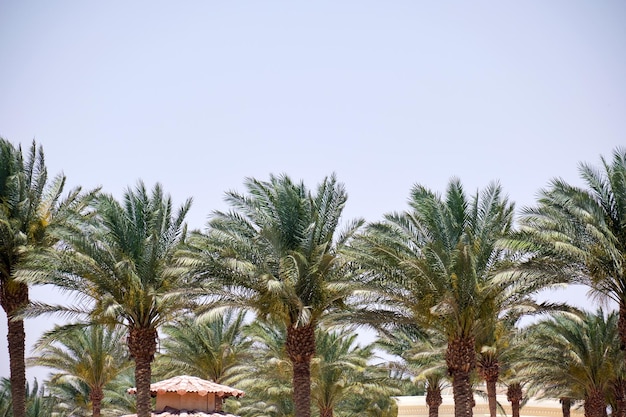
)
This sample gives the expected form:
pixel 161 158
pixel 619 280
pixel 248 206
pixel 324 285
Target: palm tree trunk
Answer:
pixel 142 346
pixel 491 397
pixel 595 404
pixel 300 346
pixel 619 389
pixel 16 337
pixel 490 371
pixel 461 361
pixel 566 406
pixel 514 395
pixel 14 296
pixel 95 396
pixel 433 400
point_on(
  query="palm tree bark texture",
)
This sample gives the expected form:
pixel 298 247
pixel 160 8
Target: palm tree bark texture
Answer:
pixel 96 396
pixel 142 345
pixel 595 404
pixel 566 406
pixel 14 296
pixel 300 348
pixel 514 395
pixel 490 371
pixel 433 400
pixel 461 361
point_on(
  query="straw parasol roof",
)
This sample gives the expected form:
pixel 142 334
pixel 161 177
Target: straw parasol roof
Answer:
pixel 185 384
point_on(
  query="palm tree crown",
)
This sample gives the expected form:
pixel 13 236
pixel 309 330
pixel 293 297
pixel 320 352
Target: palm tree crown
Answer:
pixel 92 356
pixel 277 252
pixel 121 270
pixel 34 216
pixel 435 268
pixel 575 357
pixel 578 235
pixel 210 348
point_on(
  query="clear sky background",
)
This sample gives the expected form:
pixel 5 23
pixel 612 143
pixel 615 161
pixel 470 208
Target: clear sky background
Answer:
pixel 198 95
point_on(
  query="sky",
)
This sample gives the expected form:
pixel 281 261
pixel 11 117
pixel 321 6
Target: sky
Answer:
pixel 199 95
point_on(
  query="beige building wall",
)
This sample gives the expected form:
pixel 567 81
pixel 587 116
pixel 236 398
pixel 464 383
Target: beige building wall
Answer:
pixel 188 401
pixel 415 406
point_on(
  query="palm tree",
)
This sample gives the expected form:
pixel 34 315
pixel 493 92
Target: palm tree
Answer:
pixel 38 404
pixel 278 253
pixel 499 348
pixel 121 272
pixel 576 357
pixel 428 360
pixel 72 396
pixel 209 348
pixel 342 369
pixel 617 399
pixel 266 378
pixel 91 355
pixel 514 394
pixel 423 355
pixel 511 343
pixel 435 267
pixel 577 234
pixel 34 216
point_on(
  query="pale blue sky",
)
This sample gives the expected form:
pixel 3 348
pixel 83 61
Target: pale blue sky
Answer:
pixel 198 95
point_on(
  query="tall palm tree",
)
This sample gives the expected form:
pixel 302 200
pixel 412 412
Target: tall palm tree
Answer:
pixel 91 355
pixel 278 253
pixel 436 266
pixel 576 357
pixel 209 348
pixel 34 215
pixel 577 234
pixel 121 272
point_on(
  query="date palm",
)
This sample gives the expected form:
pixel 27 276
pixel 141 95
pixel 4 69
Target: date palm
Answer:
pixel 34 216
pixel 428 362
pixel 71 396
pixel 343 369
pixel 209 349
pixel 499 348
pixel 278 253
pixel 576 357
pixel 423 357
pixel 92 355
pixel 266 378
pixel 38 403
pixel 121 272
pixel 435 267
pixel 578 234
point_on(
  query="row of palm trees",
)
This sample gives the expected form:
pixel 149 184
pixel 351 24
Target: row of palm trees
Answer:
pixel 451 267
pixel 567 356
pixel 91 368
